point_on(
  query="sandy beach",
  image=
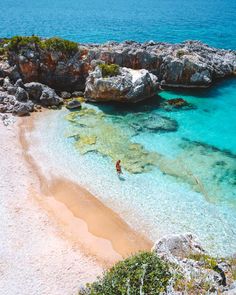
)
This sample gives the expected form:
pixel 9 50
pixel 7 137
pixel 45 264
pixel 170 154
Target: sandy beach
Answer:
pixel 55 236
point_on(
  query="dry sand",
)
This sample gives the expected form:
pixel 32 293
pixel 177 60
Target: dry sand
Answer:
pixel 34 256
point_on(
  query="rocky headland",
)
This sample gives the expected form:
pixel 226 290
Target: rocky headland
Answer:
pixel 35 71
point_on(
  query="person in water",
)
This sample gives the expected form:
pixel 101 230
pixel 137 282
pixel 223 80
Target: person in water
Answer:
pixel 118 167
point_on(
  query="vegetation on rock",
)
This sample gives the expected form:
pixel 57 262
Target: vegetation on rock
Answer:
pixel 144 273
pixel 16 43
pixel 109 70
pixel 58 44
pixel 180 53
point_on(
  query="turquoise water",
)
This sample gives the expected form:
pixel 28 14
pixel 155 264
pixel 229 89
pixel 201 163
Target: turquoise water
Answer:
pixel 188 178
pixel 211 21
pixel 187 174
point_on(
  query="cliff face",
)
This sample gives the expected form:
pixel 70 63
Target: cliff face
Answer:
pixel 189 64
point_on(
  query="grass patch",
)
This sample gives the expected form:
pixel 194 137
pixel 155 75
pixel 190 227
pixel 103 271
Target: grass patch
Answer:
pixel 109 70
pixel 143 273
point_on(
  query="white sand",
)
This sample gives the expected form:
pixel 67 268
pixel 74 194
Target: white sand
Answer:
pixel 34 256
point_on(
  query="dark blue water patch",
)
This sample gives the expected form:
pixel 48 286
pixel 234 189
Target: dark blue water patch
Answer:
pixel 211 21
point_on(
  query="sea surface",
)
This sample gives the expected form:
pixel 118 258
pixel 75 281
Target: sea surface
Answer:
pixel 211 21
pixel 179 167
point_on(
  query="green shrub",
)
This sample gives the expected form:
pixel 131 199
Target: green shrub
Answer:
pixel 52 44
pixel 58 44
pixel 17 42
pixel 109 70
pixel 180 53
pixel 143 273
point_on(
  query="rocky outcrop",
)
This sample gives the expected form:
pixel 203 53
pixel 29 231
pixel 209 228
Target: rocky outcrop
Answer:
pixel 127 86
pixel 188 64
pixel 200 272
pixel 21 99
pixel 42 94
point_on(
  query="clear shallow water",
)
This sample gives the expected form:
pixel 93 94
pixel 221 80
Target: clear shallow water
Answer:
pixel 211 21
pixel 189 188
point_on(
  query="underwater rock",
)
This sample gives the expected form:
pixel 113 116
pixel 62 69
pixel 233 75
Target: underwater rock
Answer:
pixel 127 86
pixel 176 104
pixel 152 123
pixel 93 131
pixel 73 104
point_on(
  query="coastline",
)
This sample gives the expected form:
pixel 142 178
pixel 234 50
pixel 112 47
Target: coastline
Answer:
pixel 85 220
pixel 35 258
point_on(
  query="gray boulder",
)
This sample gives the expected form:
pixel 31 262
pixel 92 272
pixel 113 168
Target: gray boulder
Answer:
pixel 21 94
pixel 178 246
pixel 19 83
pixel 78 94
pixel 127 86
pixel 42 94
pixel 23 109
pixel 65 94
pixel 11 90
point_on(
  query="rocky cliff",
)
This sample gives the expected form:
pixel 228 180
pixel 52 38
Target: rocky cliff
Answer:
pixel 189 64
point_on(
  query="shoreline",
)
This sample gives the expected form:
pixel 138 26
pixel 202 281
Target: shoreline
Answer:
pixel 99 231
pixel 35 257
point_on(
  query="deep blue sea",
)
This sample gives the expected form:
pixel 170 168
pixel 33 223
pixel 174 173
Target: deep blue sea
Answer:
pixel 212 21
pixel 191 186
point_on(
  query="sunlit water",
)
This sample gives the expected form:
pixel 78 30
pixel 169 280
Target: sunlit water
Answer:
pixel 189 183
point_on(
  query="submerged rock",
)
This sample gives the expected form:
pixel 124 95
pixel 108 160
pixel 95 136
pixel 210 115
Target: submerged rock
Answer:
pixel 73 104
pixel 126 86
pixel 176 104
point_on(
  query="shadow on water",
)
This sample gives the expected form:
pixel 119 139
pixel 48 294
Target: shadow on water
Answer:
pixel 116 108
pixel 152 104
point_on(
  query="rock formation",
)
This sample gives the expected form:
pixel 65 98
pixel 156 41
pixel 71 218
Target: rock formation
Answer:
pixel 21 99
pixel 198 270
pixel 69 68
pixel 188 64
pixel 127 86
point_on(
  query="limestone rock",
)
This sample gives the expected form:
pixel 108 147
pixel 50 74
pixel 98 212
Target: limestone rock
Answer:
pixel 128 86
pixel 23 109
pixel 178 245
pixel 42 94
pixel 21 94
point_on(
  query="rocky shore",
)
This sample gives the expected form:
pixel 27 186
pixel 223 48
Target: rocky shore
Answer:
pixel 36 71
